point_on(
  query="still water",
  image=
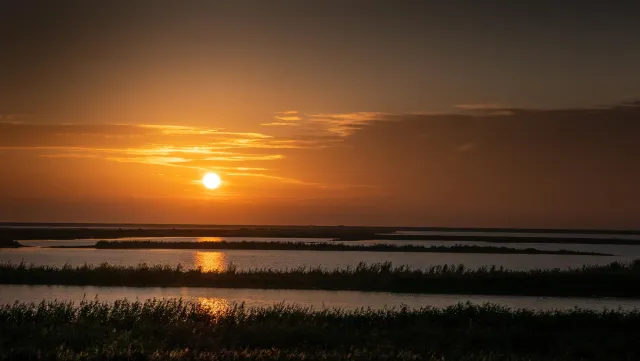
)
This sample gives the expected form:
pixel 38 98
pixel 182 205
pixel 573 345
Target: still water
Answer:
pixel 635 237
pixel 219 299
pixel 222 298
pixel 632 251
pixel 91 242
pixel 250 259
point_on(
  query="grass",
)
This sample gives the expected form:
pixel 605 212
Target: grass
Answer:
pixel 326 246
pixel 613 280
pixel 176 330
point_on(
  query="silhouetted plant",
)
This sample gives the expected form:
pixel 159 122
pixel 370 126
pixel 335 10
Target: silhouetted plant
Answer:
pixel 614 280
pixel 178 330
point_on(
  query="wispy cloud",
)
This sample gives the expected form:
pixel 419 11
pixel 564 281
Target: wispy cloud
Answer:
pixel 187 130
pixel 196 148
pixel 345 124
pixel 288 118
pixel 245 157
pixel 280 124
pixel 284 119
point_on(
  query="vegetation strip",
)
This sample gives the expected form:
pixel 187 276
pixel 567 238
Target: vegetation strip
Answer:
pixel 337 232
pixel 176 330
pixel 613 280
pixel 325 246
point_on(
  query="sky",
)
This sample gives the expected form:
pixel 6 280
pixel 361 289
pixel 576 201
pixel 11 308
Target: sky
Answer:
pixel 432 113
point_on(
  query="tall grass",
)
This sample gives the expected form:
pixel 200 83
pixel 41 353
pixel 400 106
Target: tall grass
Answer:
pixel 325 246
pixel 178 330
pixel 614 280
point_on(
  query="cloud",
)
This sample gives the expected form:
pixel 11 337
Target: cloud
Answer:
pixel 486 108
pixel 286 118
pixel 279 124
pixel 339 125
pixel 345 124
pixel 245 157
pixel 196 148
pixel 518 139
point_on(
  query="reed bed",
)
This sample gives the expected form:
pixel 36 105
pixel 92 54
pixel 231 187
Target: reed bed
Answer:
pixel 177 330
pixel 612 280
pixel 327 246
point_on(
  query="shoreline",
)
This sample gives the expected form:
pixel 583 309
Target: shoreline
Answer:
pixel 612 280
pixel 324 246
pixel 344 234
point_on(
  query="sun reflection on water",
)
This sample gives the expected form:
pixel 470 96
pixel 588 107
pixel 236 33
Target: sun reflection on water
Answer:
pixel 214 304
pixel 209 239
pixel 210 261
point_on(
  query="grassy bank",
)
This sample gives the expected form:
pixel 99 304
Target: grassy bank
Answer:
pixel 174 330
pixel 325 246
pixel 614 280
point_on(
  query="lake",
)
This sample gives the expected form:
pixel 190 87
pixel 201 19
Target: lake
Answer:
pixel 250 259
pixel 221 298
pixel 634 237
pixel 632 251
pixel 217 299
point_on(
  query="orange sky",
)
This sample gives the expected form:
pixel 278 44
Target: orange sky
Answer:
pixel 478 165
pixel 336 113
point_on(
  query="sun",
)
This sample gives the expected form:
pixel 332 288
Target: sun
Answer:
pixel 211 180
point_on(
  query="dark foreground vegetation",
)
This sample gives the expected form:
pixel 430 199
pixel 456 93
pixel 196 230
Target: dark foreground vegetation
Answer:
pixel 175 330
pixel 7 243
pixel 20 231
pixel 325 246
pixel 613 280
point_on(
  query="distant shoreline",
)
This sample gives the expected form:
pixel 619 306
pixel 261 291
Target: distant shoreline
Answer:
pixel 325 246
pixel 148 226
pixel 328 233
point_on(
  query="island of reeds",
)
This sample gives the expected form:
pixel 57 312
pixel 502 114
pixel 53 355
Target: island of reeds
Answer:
pixel 612 280
pixel 324 246
pixel 20 231
pixel 180 331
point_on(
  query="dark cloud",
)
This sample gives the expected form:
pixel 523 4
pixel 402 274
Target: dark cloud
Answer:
pixel 565 167
pixel 96 56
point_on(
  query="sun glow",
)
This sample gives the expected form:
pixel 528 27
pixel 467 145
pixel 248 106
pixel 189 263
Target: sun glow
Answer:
pixel 211 180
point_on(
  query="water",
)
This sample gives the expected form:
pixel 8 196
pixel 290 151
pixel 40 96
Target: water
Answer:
pixel 218 299
pixel 251 259
pixel 628 251
pixel 614 249
pixel 222 298
pixel 635 237
pixel 91 241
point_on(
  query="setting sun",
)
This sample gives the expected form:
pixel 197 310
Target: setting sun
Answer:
pixel 211 180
